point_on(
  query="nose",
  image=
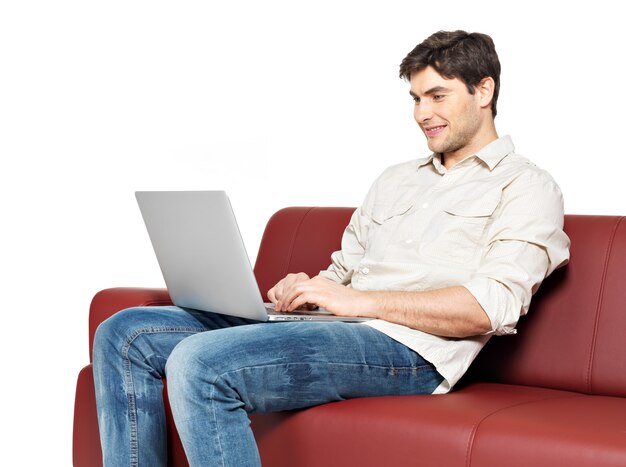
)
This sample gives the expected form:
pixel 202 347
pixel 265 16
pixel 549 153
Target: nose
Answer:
pixel 423 112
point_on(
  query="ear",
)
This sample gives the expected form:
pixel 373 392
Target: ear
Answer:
pixel 484 91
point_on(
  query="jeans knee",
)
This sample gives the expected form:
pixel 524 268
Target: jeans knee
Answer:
pixel 107 335
pixel 192 364
pixel 181 365
pixel 112 333
pixel 181 372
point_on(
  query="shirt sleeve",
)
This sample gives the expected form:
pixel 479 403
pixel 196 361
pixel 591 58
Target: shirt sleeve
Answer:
pixel 353 241
pixel 344 261
pixel 525 243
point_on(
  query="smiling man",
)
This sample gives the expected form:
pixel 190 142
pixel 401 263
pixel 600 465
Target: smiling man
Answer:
pixel 445 252
pixel 454 244
pixel 456 122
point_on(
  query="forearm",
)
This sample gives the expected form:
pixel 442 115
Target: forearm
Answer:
pixel 449 312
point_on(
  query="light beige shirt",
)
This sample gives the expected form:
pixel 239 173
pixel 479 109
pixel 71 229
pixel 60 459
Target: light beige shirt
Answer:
pixel 493 223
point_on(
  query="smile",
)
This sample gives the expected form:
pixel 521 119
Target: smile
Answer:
pixel 433 131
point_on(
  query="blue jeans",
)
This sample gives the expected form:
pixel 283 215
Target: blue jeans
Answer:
pixel 217 378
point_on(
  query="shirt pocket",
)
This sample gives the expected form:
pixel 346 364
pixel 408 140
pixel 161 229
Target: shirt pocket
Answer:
pixel 386 219
pixel 461 233
pixel 382 213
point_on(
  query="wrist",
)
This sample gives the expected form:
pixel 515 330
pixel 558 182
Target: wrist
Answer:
pixel 369 304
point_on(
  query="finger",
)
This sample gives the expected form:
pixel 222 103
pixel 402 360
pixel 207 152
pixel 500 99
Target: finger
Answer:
pixel 290 295
pixel 307 297
pixel 293 286
pixel 289 286
pixel 271 295
pixel 278 293
pixel 299 301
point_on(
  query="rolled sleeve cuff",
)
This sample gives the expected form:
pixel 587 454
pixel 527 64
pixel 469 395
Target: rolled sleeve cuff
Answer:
pixel 498 303
pixel 336 271
pixel 331 274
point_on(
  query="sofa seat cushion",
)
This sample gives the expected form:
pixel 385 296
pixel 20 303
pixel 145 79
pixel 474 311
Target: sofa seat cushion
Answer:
pixel 442 430
pixel 480 425
pixel 574 430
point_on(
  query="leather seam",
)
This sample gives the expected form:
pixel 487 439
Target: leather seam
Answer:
pixel 472 436
pixel 594 335
pixel 293 241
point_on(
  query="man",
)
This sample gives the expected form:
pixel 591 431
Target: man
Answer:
pixel 444 252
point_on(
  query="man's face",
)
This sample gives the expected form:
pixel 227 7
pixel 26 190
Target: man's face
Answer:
pixel 447 113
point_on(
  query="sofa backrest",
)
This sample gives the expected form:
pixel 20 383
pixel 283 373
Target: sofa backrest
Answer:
pixel 299 239
pixel 572 337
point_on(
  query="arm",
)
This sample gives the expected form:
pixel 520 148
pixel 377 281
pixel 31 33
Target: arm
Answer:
pixel 450 312
pixel 524 244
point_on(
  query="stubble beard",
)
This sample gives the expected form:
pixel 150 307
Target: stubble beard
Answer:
pixel 454 142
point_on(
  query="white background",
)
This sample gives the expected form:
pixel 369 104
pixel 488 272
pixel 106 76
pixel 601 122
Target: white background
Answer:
pixel 279 103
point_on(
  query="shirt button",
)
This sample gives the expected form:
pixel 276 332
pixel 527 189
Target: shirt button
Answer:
pixel 424 206
pixel 365 271
pixel 409 241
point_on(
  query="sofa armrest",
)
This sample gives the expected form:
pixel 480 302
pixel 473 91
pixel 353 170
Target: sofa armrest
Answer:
pixel 109 301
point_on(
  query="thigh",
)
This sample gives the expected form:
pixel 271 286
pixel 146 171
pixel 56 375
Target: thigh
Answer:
pixel 150 333
pixel 282 366
pixel 171 317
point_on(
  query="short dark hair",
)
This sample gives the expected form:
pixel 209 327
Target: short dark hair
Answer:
pixel 470 57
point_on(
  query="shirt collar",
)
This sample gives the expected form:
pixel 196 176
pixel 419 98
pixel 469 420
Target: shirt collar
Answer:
pixel 495 151
pixel 491 154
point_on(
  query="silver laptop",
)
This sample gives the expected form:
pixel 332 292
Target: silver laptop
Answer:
pixel 203 259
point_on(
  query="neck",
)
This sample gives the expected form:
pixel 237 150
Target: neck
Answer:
pixel 482 139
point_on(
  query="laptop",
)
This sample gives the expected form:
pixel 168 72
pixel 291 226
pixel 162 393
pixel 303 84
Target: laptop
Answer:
pixel 203 258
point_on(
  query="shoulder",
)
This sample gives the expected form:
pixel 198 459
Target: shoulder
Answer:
pixel 525 174
pixel 398 171
pixel 531 190
pixel 384 187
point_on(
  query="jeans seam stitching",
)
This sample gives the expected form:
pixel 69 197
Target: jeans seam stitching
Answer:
pixel 217 431
pixel 130 387
pixel 385 367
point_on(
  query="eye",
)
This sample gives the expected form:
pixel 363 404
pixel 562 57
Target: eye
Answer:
pixel 416 99
pixel 438 97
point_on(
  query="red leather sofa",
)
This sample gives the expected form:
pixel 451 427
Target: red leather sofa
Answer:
pixel 552 395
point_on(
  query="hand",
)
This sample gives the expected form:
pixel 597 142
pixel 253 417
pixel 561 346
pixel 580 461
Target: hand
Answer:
pixel 276 293
pixel 296 291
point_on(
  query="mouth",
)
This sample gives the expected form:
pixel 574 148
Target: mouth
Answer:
pixel 434 131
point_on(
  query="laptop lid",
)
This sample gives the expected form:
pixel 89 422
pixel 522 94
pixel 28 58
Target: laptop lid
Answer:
pixel 203 258
pixel 200 252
